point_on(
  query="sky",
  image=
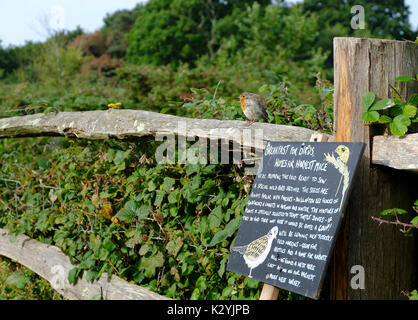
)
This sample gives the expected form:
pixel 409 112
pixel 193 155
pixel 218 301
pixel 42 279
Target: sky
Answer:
pixel 22 20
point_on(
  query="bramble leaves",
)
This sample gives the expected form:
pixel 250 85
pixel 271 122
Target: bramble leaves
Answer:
pixel 413 295
pixel 370 116
pixel 382 104
pixel 404 79
pixel 128 212
pixel 367 100
pixel 397 114
pixel 399 125
pixel 410 111
pixel 393 211
pixel 144 222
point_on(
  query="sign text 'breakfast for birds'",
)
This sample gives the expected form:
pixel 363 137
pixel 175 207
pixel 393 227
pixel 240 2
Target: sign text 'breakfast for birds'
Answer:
pixel 293 214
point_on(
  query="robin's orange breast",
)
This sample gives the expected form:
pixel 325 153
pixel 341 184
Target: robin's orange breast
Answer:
pixel 242 100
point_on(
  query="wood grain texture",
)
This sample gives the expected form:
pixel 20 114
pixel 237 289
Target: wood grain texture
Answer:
pixel 269 292
pixel 129 124
pixel 396 152
pixel 389 259
pixel 51 264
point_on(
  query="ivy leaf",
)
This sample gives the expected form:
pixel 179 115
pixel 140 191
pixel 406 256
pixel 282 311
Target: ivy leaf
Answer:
pixel 218 237
pixel 168 184
pixel 151 263
pixel 174 196
pixel 382 104
pixel 229 230
pixel 195 294
pixel 399 125
pixel 159 197
pixel 173 246
pixel 233 225
pixel 144 211
pixel 17 280
pixel 201 283
pixel 109 245
pixel 367 100
pixel 91 275
pixel 404 79
pixel 215 217
pixel 121 156
pixel 144 249
pixel 370 116
pixel 251 283
pixel 128 212
pixel 221 269
pixel 226 292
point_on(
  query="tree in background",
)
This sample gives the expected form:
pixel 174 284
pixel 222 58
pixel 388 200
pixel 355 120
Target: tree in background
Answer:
pixel 7 61
pixel 383 19
pixel 170 32
pixel 116 26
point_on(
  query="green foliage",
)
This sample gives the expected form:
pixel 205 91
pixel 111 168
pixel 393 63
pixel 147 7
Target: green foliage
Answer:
pixel 282 108
pixel 399 114
pixel 116 26
pixel 19 283
pixel 383 19
pixel 161 226
pixel 56 65
pixel 7 61
pixel 414 295
pixel 405 228
pixel 112 208
pixel 166 33
pixel 171 32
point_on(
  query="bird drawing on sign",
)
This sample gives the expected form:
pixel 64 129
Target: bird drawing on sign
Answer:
pixel 340 163
pixel 254 107
pixel 257 251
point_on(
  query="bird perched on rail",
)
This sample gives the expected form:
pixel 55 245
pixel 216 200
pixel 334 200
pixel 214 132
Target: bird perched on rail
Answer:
pixel 257 251
pixel 254 107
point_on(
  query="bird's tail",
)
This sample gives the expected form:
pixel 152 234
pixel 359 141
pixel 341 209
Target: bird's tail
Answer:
pixel 241 249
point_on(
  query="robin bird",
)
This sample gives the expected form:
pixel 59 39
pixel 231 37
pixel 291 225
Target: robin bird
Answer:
pixel 257 251
pixel 254 107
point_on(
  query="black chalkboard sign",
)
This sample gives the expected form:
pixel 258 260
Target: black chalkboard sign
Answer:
pixel 293 214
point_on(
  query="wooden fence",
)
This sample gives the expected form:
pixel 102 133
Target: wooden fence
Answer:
pixel 387 174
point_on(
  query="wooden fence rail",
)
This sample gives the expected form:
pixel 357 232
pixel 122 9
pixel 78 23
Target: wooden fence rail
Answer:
pixel 391 151
pixel 51 264
pixel 131 124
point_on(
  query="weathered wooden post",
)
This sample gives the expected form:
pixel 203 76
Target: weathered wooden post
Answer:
pixel 388 257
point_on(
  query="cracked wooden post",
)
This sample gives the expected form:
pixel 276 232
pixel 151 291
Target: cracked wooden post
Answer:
pixel 387 256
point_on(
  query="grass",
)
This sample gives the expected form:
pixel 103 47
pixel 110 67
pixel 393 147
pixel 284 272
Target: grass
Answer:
pixel 20 283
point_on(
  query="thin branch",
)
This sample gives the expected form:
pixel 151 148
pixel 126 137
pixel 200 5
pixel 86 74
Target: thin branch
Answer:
pixel 397 222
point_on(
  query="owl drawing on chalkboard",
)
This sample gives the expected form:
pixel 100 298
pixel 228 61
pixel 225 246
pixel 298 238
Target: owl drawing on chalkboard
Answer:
pixel 340 163
pixel 257 251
